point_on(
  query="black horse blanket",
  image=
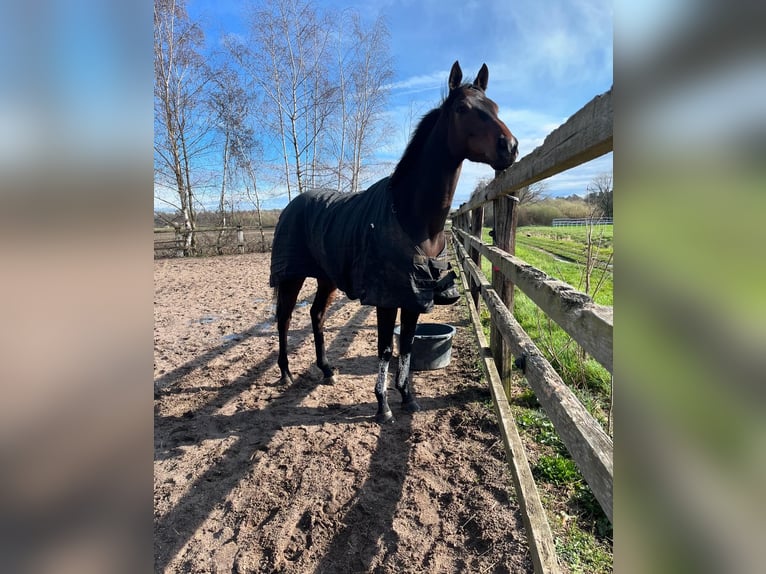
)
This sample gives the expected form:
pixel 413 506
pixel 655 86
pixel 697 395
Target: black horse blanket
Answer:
pixel 355 240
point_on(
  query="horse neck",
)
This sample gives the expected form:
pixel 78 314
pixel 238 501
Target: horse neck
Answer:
pixel 425 195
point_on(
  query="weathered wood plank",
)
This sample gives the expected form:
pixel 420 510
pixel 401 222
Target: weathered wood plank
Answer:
pixel 505 217
pixel 539 535
pixel 589 445
pixel 586 135
pixel 586 441
pixel 588 323
pixel 477 222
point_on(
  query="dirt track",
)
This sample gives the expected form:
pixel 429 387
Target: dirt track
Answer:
pixel 253 477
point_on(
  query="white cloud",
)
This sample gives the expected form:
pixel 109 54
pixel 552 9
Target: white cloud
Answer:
pixel 554 44
pixel 413 84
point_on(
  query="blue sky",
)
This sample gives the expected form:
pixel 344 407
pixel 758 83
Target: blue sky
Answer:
pixel 546 60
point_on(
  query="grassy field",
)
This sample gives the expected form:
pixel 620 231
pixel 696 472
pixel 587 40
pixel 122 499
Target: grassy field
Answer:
pixel 583 533
pixel 562 252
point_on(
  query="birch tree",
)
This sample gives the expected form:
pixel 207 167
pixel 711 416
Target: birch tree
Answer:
pixel 180 76
pixel 284 57
pixel 323 77
pixel 371 71
pixel 364 71
pixel 229 104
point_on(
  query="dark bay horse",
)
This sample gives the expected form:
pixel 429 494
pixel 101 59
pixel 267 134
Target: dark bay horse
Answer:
pixel 386 245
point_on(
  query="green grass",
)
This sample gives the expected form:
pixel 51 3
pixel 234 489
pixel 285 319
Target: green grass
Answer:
pixel 556 470
pixel 588 379
pixel 570 242
pixel 579 552
pixel 540 428
pixel 575 234
pixel 582 531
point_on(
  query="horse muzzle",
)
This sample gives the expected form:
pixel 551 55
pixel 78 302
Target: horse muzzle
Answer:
pixel 507 152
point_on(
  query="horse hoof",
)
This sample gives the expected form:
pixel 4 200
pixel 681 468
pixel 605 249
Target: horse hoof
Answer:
pixel 411 407
pixel 384 418
pixel 286 380
pixel 329 380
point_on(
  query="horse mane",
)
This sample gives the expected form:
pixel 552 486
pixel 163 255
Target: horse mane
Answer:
pixel 416 144
pixel 420 136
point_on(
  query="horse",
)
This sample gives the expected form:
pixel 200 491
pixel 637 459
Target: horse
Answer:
pixel 386 245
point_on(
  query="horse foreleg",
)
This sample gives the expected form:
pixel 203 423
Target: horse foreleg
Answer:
pixel 403 379
pixel 287 295
pixel 325 294
pixel 386 320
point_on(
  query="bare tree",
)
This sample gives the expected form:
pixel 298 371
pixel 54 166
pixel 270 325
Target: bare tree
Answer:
pixel 532 194
pixel 599 199
pixel 341 139
pixel 232 105
pixel 285 58
pixel 371 72
pixel 229 104
pixel 180 77
pixel 245 151
pixel 600 195
pixel 323 76
pixel 324 96
pixel 528 195
pixel 363 72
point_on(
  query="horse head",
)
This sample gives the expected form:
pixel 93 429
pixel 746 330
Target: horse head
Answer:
pixel 475 131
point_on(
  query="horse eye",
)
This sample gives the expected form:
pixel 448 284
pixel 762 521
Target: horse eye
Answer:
pixel 483 115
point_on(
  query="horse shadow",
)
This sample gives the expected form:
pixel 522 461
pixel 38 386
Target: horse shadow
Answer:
pixel 368 518
pixel 175 528
pixel 368 521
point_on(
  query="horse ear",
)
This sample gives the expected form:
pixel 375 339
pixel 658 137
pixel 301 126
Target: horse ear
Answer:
pixel 455 76
pixel 482 78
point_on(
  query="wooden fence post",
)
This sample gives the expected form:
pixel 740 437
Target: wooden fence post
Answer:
pixel 504 237
pixel 240 239
pixel 477 222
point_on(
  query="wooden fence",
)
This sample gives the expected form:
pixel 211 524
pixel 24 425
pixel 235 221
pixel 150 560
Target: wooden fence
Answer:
pixel 585 136
pixel 170 242
pixel 580 222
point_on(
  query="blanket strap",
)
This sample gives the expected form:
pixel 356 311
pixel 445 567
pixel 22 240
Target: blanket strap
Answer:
pixel 445 291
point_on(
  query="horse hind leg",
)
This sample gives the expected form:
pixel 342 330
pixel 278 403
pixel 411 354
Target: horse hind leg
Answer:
pixel 325 294
pixel 287 295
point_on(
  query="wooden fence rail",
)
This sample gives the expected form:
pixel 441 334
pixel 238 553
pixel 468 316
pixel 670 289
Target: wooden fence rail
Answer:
pixel 541 544
pixel 212 240
pixel 584 136
pixel 584 438
pixel 588 323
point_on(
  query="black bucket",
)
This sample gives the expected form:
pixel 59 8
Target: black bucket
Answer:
pixel 432 348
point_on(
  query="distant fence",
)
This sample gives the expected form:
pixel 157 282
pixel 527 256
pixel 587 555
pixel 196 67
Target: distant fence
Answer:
pixel 567 222
pixel 585 136
pixel 172 242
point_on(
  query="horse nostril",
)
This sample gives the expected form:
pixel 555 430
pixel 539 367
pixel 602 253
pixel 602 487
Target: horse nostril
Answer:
pixel 508 146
